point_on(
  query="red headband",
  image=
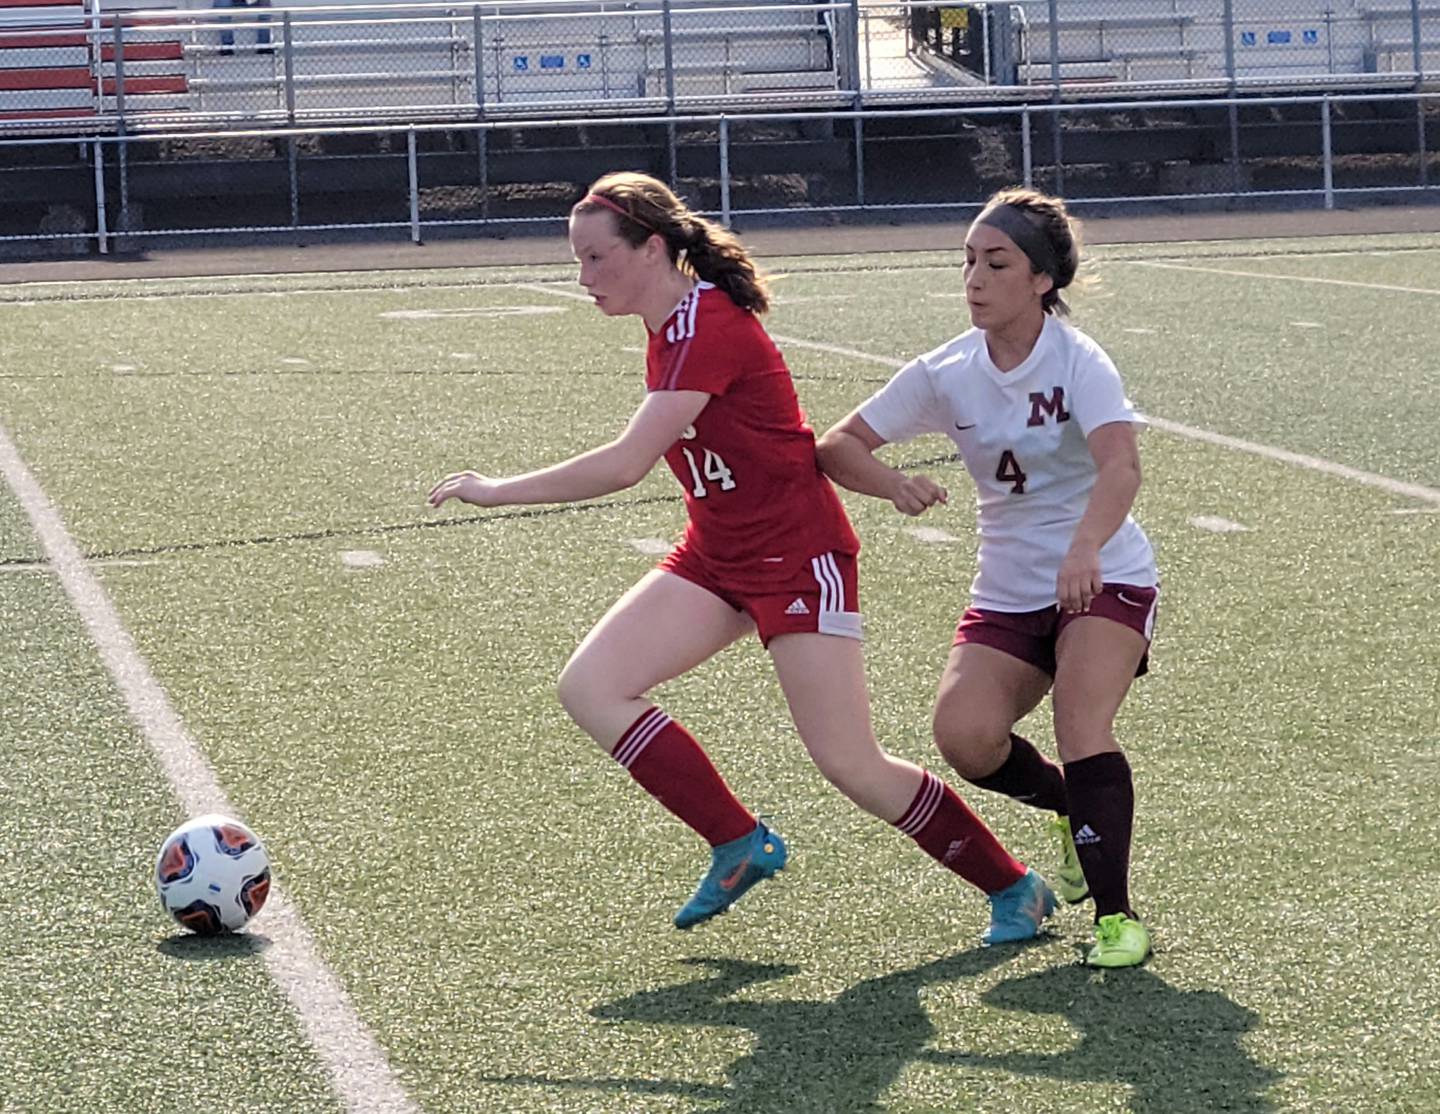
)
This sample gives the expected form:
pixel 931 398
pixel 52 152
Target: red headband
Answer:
pixel 601 199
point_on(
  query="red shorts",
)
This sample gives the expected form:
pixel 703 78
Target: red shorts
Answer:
pixel 808 595
pixel 1031 635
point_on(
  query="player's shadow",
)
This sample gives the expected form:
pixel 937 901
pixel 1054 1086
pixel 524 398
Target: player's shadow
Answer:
pixel 836 1056
pixel 226 945
pixel 1178 1050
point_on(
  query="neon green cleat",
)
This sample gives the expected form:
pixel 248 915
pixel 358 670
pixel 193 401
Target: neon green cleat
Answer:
pixel 1070 876
pixel 1120 941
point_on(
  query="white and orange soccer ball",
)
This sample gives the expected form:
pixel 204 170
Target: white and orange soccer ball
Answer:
pixel 212 874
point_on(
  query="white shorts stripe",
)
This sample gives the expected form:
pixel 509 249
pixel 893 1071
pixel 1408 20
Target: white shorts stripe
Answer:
pixel 646 728
pixel 832 585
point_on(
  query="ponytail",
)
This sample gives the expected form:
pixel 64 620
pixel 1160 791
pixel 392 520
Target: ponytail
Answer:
pixel 645 207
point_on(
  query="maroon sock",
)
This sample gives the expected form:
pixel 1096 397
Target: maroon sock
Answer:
pixel 675 770
pixel 945 828
pixel 1029 777
pixel 1102 817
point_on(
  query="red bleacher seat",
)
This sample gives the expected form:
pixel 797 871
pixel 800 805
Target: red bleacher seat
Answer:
pixel 50 68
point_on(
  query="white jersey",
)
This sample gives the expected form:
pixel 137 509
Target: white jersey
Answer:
pixel 1022 434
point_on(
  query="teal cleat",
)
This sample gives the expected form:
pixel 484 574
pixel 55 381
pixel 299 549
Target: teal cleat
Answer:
pixel 734 868
pixel 1017 911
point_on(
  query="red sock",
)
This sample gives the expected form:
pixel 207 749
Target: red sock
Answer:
pixel 945 828
pixel 675 770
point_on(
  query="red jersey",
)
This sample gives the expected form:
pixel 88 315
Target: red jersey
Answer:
pixel 753 487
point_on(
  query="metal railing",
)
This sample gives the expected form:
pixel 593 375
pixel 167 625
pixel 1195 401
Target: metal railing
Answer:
pixel 417 183
pixel 90 72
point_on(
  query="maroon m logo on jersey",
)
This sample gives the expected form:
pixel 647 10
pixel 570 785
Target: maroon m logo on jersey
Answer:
pixel 1054 406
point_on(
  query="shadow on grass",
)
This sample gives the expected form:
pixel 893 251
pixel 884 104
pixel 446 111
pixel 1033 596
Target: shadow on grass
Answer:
pixel 227 945
pixel 1179 1051
pixel 832 1056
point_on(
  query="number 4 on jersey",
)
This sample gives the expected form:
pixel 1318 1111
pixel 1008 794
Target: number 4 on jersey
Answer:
pixel 1010 472
pixel 712 468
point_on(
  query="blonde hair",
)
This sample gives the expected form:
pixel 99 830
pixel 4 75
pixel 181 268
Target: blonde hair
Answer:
pixel 644 206
pixel 1062 231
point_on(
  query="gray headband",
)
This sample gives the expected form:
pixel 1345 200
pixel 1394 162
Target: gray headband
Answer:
pixel 1011 220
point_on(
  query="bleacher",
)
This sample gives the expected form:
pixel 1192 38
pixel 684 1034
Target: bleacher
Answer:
pixel 1272 44
pixel 312 62
pixel 59 63
pixel 1120 47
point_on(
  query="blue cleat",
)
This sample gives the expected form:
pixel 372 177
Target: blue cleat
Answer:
pixel 1017 911
pixel 734 868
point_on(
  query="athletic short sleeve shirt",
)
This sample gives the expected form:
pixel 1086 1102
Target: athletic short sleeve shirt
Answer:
pixel 1022 435
pixel 753 488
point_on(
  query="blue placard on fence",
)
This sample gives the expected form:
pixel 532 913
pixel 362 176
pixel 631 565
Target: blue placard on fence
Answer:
pixel 1247 38
pixel 552 61
pixel 582 61
pixel 1310 36
pixel 521 62
pixel 1278 38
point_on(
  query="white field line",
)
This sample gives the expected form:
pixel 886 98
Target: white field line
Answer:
pixel 357 1065
pixel 209 280
pixel 1285 278
pixel 1315 464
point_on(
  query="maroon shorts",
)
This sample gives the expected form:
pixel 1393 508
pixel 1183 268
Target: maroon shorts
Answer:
pixel 1031 635
pixel 807 595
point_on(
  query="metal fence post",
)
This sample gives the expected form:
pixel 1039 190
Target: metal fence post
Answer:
pixel 119 45
pixel 288 49
pixel 1422 145
pixel 292 160
pixel 1419 63
pixel 1056 148
pixel 725 170
pixel 414 184
pixel 669 33
pixel 669 42
pixel 102 234
pixel 1232 109
pixel 479 65
pixel 482 145
pixel 860 160
pixel 124 152
pixel 1327 151
pixel 852 55
pixel 1027 158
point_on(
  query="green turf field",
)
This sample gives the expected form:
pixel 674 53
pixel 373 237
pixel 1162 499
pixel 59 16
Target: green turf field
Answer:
pixel 495 895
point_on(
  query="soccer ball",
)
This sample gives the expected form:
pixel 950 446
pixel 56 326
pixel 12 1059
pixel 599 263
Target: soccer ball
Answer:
pixel 212 874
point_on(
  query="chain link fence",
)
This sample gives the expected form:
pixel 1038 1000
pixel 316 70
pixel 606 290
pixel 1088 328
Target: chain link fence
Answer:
pixel 427 181
pixel 79 68
pixel 339 120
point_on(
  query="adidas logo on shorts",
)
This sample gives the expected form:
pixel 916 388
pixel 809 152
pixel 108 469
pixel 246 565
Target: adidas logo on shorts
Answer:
pixel 797 608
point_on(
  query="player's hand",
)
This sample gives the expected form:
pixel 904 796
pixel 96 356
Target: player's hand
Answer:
pixel 917 493
pixel 468 487
pixel 1079 579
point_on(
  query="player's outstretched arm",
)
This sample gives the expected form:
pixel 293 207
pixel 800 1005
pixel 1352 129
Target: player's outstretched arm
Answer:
pixel 847 455
pixel 622 463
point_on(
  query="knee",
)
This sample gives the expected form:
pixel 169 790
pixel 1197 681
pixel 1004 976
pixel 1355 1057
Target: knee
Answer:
pixel 578 692
pixel 973 750
pixel 859 778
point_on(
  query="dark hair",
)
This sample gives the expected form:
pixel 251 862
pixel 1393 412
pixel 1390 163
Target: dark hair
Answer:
pixel 644 206
pixel 1050 217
